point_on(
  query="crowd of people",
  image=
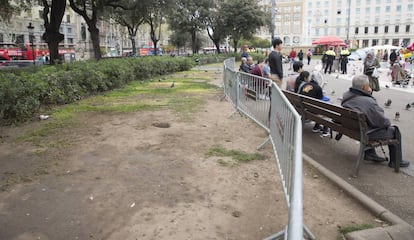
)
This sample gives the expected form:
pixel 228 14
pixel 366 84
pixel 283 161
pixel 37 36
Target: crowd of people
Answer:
pixel 359 97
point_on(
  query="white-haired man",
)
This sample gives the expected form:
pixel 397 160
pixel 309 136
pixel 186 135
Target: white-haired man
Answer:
pixel 359 98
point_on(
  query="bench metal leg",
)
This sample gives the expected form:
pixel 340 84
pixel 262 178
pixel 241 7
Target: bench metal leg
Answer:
pixel 360 156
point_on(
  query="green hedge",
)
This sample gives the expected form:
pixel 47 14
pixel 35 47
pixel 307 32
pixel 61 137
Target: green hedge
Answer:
pixel 24 90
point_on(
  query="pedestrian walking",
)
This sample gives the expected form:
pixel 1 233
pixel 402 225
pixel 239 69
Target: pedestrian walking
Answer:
pixel 309 56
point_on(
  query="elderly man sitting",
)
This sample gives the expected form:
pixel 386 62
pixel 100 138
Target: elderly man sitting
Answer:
pixel 359 98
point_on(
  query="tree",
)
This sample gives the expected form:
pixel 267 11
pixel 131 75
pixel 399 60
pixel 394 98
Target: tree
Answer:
pixel 52 22
pixel 6 11
pixel 90 10
pixel 216 28
pixel 131 17
pixel 241 18
pixel 179 39
pixel 190 16
pixel 155 12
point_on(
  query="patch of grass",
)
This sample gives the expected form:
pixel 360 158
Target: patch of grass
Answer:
pixel 240 156
pixel 185 98
pixel 352 228
pixel 14 178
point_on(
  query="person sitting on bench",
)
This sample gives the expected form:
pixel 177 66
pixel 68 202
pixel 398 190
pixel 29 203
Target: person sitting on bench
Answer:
pixel 359 98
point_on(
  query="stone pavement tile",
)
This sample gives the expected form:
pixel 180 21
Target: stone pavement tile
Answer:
pixel 399 231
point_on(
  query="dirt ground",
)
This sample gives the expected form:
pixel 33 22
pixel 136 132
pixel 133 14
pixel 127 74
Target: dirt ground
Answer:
pixel 146 175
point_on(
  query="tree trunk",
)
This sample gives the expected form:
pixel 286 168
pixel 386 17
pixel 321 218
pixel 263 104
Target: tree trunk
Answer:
pixel 235 45
pixel 154 40
pixel 94 31
pixel 53 39
pixel 134 46
pixel 193 42
pixel 52 36
pixel 217 44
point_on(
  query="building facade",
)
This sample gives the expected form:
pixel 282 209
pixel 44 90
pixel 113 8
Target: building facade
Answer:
pixel 362 23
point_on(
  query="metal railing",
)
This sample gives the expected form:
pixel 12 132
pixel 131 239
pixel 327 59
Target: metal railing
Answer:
pixel 263 102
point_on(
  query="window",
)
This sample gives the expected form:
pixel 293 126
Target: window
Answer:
pixel 377 9
pixel 357 11
pixel 378 1
pixel 407 28
pixel 386 42
pixel 1 37
pixel 368 2
pixel 376 29
pixel 70 40
pixel 366 30
pixel 338 31
pixel 374 42
pixel 69 30
pixel 387 9
pixel 364 43
pixel 397 28
pixel 40 14
pixel 386 29
pixel 356 30
pixel 409 7
pixel 68 18
pixel 367 10
pixel 398 8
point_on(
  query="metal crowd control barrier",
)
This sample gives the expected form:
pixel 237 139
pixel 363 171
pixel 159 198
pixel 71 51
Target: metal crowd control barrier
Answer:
pixel 250 95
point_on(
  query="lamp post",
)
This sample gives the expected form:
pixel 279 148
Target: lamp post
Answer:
pixel 31 36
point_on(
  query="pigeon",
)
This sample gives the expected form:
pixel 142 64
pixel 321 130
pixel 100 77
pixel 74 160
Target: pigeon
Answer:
pixel 142 82
pixel 333 92
pixel 337 76
pixel 412 104
pixel 386 86
pixel 172 85
pixel 407 107
pixel 388 103
pixel 397 116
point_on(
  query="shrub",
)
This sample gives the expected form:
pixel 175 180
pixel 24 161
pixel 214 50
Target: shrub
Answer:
pixel 24 90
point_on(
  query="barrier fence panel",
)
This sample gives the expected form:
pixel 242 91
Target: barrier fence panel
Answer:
pixel 250 95
pixel 254 98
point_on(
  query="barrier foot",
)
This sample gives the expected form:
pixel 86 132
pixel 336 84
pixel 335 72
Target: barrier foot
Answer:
pixel 309 233
pixel 235 111
pixel 261 146
pixel 276 236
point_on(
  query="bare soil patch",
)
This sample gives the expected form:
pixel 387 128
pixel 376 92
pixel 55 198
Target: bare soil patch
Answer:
pixel 145 175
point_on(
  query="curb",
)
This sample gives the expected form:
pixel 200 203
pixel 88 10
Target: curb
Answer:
pixel 400 229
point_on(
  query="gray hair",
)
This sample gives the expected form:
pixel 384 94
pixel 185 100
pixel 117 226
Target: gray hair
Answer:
pixel 243 59
pixel 359 81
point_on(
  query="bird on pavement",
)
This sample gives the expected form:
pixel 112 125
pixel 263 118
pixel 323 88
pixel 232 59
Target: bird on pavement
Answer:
pixel 172 84
pixel 388 103
pixel 333 92
pixel 412 104
pixel 407 107
pixel 397 116
pixel 386 86
pixel 337 76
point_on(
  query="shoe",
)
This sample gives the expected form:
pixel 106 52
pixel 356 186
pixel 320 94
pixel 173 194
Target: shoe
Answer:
pixel 374 158
pixel 403 163
pixel 326 134
pixel 316 129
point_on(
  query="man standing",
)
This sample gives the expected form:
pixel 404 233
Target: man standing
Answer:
pixel 344 59
pixel 275 62
pixel 330 57
pixel 359 98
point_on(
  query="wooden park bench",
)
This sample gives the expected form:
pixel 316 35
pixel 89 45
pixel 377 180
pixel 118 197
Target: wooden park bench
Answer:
pixel 342 120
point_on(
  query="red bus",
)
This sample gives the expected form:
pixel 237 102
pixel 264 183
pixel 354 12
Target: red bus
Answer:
pixel 13 51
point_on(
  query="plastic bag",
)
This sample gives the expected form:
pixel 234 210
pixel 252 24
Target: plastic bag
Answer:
pixel 375 73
